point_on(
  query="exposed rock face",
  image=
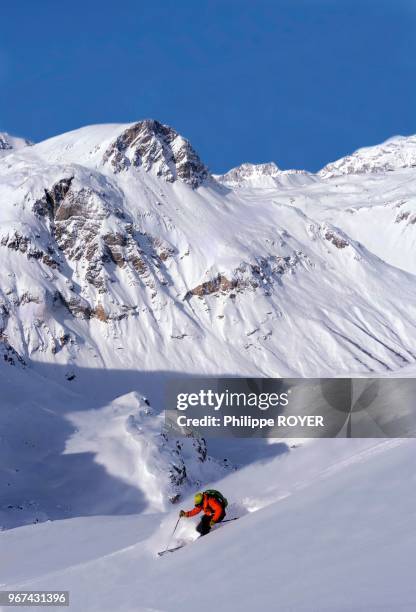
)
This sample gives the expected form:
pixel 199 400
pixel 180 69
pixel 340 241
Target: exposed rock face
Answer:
pixel 265 273
pixel 5 145
pixel 77 221
pixel 77 306
pixel 407 216
pixel 10 355
pixel 336 239
pixel 187 459
pixel 157 147
pixel 217 284
pixel 100 313
pixel 24 244
pixel 49 204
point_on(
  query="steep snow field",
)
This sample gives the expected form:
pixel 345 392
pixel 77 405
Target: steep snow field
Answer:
pixel 120 251
pixel 325 526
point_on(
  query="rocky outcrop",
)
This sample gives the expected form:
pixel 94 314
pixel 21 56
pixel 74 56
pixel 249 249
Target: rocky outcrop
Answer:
pixel 156 147
pixel 77 219
pixel 53 198
pixel 336 239
pixel 407 216
pixel 25 245
pixel 8 353
pixel 218 284
pixel 100 313
pixel 395 153
pixel 77 306
pixel 263 274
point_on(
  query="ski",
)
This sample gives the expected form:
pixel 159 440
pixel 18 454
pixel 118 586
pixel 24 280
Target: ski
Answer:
pixel 170 550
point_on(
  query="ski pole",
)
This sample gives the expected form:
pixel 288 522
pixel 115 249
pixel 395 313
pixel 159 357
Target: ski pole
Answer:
pixel 171 535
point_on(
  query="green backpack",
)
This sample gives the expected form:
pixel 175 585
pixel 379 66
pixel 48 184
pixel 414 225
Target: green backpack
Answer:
pixel 218 496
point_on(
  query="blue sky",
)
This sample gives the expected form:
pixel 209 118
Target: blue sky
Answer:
pixel 300 82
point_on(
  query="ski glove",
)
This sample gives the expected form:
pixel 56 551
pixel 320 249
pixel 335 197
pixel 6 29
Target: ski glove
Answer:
pixel 212 523
pixel 182 513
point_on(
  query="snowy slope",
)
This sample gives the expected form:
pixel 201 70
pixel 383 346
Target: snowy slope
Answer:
pixel 119 249
pixel 123 262
pixel 319 535
pixel 9 143
pixel 65 454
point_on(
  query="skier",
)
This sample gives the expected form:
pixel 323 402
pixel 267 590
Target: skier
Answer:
pixel 213 504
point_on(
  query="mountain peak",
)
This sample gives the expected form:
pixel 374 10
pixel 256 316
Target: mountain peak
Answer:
pixel 257 175
pixel 248 171
pixel 155 146
pixel 393 154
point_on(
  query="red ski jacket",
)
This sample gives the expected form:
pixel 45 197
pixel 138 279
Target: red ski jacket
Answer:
pixel 211 506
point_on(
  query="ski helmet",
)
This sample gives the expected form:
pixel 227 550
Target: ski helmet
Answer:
pixel 198 499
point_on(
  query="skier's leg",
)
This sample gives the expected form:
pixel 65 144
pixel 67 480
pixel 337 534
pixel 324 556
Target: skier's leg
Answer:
pixel 203 526
pixel 222 517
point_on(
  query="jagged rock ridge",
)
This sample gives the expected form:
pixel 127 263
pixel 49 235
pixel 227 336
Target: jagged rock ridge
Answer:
pixel 153 145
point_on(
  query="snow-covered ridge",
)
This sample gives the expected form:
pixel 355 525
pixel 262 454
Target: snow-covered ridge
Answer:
pixel 159 148
pixel 394 153
pixel 9 143
pixel 147 145
pixel 121 226
pixel 262 175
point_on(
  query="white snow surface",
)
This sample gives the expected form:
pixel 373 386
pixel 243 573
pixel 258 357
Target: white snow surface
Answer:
pixel 123 263
pixel 119 251
pixel 10 143
pixel 326 526
pixel 263 176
